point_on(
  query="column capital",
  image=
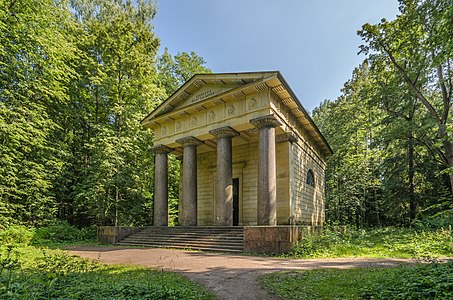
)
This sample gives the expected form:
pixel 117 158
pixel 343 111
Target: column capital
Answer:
pixel 265 121
pixel 225 131
pixel 162 149
pixel 188 141
pixel 286 137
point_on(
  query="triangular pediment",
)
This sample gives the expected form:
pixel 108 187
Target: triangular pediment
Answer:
pixel 205 92
pixel 205 86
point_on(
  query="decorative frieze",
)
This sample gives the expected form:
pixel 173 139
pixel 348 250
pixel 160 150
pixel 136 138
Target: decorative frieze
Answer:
pixel 178 126
pixel 252 104
pixel 211 116
pixel 230 110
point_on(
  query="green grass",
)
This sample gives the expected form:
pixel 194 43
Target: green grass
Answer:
pixel 27 272
pixel 386 242
pixel 425 281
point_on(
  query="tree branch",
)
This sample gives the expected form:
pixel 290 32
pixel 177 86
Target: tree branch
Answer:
pixel 412 86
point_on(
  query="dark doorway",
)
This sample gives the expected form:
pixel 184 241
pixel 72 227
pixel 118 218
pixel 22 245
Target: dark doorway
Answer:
pixel 235 201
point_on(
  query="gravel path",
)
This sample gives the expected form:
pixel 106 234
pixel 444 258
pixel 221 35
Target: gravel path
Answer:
pixel 229 277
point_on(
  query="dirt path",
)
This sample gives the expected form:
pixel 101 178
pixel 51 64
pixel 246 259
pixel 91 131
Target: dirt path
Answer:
pixel 229 277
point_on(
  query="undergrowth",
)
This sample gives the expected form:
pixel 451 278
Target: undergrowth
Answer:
pixel 388 242
pixel 28 271
pixel 423 281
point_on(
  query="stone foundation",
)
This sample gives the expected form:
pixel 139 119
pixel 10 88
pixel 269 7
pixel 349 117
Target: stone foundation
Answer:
pixel 274 239
pixel 111 235
pixel 257 239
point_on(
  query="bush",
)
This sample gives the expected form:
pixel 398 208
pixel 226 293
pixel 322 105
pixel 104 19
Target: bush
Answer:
pixel 16 234
pixel 430 281
pixel 62 232
pixel 443 219
pixel 379 242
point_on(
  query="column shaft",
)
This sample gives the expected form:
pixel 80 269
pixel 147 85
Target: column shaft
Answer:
pixel 267 171
pixel 224 197
pixel 161 185
pixel 189 188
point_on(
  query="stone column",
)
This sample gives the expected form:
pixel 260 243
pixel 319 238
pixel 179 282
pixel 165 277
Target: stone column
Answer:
pixel 161 185
pixel 267 170
pixel 189 174
pixel 224 197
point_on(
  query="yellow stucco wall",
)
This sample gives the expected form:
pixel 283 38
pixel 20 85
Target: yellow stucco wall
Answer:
pixel 307 201
pixel 245 167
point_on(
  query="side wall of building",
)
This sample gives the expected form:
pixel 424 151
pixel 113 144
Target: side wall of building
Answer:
pixel 307 201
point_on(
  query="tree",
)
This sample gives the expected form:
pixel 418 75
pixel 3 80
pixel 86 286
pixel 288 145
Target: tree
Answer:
pixel 418 45
pixel 114 162
pixel 36 52
pixel 175 71
pixel 350 124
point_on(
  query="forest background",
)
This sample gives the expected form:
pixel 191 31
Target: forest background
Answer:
pixel 76 78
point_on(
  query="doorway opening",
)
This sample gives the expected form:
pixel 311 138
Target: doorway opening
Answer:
pixel 235 201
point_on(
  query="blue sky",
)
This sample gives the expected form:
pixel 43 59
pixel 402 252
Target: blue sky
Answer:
pixel 313 43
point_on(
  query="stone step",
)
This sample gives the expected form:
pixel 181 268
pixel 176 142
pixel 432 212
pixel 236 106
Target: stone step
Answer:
pixel 205 236
pixel 186 238
pixel 183 243
pixel 191 229
pixel 225 239
pixel 190 247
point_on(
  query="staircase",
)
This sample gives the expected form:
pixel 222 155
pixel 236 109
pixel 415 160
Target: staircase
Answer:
pixel 207 238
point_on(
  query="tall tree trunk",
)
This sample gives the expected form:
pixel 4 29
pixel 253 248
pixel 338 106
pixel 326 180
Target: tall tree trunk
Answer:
pixel 411 172
pixel 448 146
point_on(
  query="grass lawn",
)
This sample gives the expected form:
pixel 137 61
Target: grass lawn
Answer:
pixel 426 281
pixel 423 281
pixel 28 272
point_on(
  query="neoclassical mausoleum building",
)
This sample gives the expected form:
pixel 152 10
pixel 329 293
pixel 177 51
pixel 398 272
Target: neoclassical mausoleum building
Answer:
pixel 251 154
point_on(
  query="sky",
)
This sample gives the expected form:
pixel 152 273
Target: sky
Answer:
pixel 313 43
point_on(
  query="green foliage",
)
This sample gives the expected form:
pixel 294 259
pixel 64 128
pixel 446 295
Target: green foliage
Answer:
pixel 431 281
pixel 76 78
pixel 35 56
pixel 62 232
pixel 16 234
pixel 57 275
pixel 386 242
pixel 390 128
pixel 413 49
pixel 321 283
pixel 423 281
pixel 176 70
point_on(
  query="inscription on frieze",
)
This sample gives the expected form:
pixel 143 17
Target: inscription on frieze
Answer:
pixel 203 95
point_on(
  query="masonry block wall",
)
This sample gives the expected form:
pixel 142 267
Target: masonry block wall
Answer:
pixel 307 201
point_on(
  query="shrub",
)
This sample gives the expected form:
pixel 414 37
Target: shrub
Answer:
pixel 16 234
pixel 61 232
pixel 378 242
pixel 426 281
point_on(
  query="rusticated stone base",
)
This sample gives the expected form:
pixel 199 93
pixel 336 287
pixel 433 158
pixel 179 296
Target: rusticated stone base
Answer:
pixel 274 239
pixel 110 235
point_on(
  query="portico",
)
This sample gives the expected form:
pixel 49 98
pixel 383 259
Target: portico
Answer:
pixel 247 146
